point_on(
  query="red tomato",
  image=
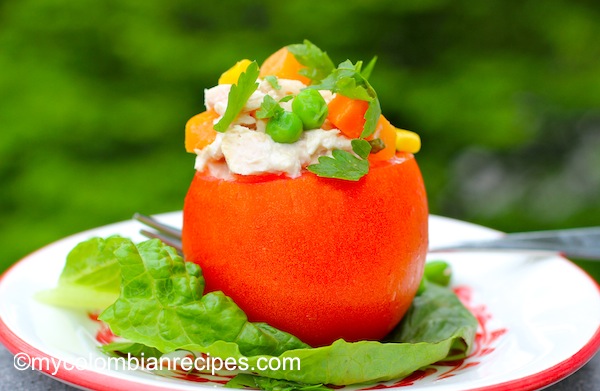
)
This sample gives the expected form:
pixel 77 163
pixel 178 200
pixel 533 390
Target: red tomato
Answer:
pixel 319 258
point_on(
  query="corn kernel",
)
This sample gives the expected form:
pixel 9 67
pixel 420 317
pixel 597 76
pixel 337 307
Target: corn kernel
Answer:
pixel 231 75
pixel 407 141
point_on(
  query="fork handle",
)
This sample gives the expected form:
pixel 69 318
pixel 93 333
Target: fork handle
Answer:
pixel 591 251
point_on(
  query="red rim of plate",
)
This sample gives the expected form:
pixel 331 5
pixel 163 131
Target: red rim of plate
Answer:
pixel 99 381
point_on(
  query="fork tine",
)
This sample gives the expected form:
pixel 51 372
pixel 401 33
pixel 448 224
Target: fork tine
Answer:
pixel 164 229
pixel 175 243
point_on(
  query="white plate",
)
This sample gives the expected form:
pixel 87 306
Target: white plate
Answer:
pixel 539 319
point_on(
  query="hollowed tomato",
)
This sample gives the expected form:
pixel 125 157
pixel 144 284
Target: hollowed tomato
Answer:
pixel 319 258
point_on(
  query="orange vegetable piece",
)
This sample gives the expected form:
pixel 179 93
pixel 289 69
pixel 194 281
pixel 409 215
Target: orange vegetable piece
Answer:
pixel 387 133
pixel 284 65
pixel 348 115
pixel 320 258
pixel 199 131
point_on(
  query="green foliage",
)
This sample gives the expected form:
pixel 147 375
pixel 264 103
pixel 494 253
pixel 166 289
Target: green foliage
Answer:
pixel 238 96
pixel 347 80
pixel 91 278
pixel 163 305
pixel 94 97
pixel 343 164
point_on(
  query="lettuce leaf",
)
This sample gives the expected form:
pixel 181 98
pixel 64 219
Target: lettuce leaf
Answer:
pixel 438 315
pixel 436 328
pixel 91 278
pixel 244 380
pixel 130 348
pixel 162 306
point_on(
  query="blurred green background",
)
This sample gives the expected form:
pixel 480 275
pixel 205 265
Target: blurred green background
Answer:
pixel 94 96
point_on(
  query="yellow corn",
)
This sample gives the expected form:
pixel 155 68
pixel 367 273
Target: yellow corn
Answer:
pixel 407 141
pixel 231 75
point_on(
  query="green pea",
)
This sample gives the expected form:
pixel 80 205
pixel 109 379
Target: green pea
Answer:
pixel 438 272
pixel 310 106
pixel 284 127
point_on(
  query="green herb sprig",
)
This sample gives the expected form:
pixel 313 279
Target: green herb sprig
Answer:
pixel 343 164
pixel 272 80
pixel 268 108
pixel 238 96
pixel 348 80
pixel 317 62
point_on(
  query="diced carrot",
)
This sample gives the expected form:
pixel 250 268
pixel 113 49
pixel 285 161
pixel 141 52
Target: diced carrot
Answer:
pixel 387 133
pixel 348 115
pixel 232 75
pixel 283 65
pixel 199 130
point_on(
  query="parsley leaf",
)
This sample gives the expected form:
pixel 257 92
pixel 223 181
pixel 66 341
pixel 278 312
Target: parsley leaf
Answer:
pixel 366 73
pixel 361 147
pixel 371 116
pixel 238 96
pixel 343 164
pixel 318 63
pixel 273 82
pixel 348 80
pixel 268 108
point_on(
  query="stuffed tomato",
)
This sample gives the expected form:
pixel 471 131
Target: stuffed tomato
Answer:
pixel 307 208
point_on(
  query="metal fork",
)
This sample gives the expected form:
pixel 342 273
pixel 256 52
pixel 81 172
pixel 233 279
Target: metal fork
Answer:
pixel 170 236
pixel 576 243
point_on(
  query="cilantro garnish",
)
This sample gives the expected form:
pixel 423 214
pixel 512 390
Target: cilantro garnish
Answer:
pixel 318 63
pixel 361 147
pixel 371 116
pixel 273 82
pixel 268 108
pixel 348 80
pixel 366 73
pixel 343 164
pixel 238 96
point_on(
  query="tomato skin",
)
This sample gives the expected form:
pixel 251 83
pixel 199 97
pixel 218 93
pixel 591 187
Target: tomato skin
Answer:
pixel 320 258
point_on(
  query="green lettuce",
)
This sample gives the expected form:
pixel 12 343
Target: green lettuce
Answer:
pixel 91 277
pixel 244 380
pixel 130 348
pixel 436 328
pixel 161 307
